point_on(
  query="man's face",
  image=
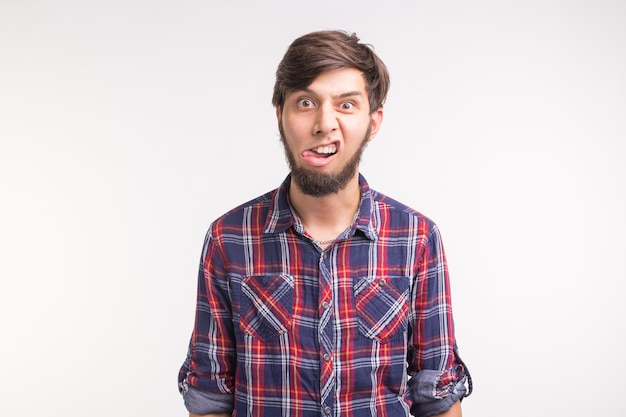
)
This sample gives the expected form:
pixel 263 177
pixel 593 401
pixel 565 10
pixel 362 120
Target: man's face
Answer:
pixel 325 129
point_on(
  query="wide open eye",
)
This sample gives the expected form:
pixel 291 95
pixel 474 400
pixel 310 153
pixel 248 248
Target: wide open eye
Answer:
pixel 346 105
pixel 305 103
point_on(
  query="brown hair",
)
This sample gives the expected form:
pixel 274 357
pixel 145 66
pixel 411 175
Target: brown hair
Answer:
pixel 317 52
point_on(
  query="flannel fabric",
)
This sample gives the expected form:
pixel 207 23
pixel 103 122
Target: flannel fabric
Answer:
pixel 285 328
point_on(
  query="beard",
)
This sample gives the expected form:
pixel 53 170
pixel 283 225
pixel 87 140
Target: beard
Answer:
pixel 320 184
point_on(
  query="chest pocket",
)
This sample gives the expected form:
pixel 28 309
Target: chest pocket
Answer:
pixel 266 305
pixel 382 307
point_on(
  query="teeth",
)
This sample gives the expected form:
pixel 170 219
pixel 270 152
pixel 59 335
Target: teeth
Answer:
pixel 326 149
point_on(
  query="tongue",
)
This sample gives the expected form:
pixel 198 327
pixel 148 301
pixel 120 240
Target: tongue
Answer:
pixel 314 154
pixel 316 158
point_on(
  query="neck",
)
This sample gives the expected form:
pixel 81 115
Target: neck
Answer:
pixel 325 218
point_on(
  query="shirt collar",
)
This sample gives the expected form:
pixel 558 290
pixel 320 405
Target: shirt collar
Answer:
pixel 281 215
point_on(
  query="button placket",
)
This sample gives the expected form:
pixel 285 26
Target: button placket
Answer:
pixel 326 333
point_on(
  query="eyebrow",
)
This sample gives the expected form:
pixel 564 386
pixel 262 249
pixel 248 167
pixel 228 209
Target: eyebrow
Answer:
pixel 342 95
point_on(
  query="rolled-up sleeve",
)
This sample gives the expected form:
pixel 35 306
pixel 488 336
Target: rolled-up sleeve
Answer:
pixel 206 378
pixel 438 376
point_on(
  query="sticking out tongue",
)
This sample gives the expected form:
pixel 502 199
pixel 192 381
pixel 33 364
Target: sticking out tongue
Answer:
pixel 316 154
pixel 323 151
pixel 322 155
pixel 316 158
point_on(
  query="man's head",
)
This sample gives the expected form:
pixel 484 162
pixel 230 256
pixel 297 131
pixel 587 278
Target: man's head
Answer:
pixel 317 52
pixel 328 96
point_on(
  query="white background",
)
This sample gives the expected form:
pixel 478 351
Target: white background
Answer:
pixel 126 127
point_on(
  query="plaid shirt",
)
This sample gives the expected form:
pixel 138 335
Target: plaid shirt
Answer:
pixel 284 328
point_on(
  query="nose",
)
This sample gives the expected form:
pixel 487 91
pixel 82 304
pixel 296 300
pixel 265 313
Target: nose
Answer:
pixel 325 121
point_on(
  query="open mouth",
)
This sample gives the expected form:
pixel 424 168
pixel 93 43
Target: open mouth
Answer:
pixel 320 156
pixel 325 151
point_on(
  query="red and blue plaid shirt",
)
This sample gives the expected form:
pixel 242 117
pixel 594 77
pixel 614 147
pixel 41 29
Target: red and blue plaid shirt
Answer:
pixel 285 328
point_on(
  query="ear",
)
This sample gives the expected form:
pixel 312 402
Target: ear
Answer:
pixel 279 113
pixel 377 120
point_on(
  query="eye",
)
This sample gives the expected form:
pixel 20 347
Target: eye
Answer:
pixel 305 103
pixel 346 105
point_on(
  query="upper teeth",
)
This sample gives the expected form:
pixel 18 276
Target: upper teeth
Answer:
pixel 326 149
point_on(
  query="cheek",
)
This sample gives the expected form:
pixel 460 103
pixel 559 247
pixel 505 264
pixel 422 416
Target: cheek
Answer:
pixel 293 126
pixel 356 128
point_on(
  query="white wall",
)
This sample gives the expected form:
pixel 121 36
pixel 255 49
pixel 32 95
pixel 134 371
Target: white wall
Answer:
pixel 126 127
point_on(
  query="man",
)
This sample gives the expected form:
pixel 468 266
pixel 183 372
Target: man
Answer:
pixel 324 297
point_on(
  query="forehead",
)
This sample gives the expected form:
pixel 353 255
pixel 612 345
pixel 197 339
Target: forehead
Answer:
pixel 338 82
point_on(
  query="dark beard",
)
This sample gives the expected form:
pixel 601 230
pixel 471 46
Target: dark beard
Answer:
pixel 320 184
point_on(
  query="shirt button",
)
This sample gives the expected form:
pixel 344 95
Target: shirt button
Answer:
pixel 327 410
pixel 326 357
pixel 325 305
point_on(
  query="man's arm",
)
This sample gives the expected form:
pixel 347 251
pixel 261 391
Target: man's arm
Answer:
pixel 206 378
pixel 438 375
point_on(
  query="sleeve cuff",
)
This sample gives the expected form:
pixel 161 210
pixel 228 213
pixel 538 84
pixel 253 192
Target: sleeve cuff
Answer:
pixel 201 402
pixel 426 399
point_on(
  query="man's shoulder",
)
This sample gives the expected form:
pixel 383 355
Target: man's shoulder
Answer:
pixel 236 214
pixel 397 208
